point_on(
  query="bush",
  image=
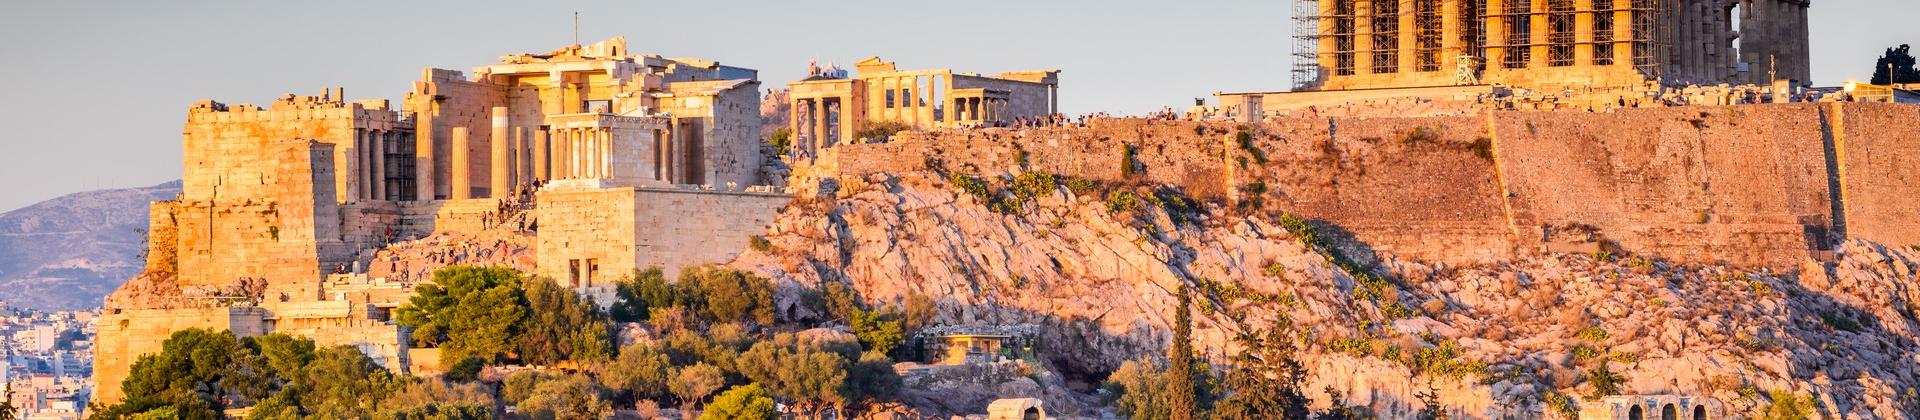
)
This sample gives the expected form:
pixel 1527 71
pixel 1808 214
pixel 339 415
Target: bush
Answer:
pixel 1121 201
pixel 972 186
pixel 1129 166
pixel 1593 334
pixel 1445 359
pixel 1080 186
pixel 639 293
pixel 1558 403
pixel 465 370
pixel 568 397
pixel 1604 381
pixel 881 130
pixel 745 402
pixel 1030 185
pixel 759 244
pixel 1786 405
pixel 1245 140
pixel 1840 321
pixel 1482 148
pixel 782 140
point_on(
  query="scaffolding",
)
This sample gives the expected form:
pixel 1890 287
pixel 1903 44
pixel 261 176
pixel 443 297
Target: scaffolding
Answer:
pixel 1327 36
pixel 1306 44
pixel 1428 32
pixel 1386 37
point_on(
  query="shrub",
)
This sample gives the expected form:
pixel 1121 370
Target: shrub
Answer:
pixel 1583 352
pixel 1121 201
pixel 1482 148
pixel 1604 381
pixel 1445 359
pixel 781 140
pixel 1840 321
pixel 1129 166
pixel 1245 140
pixel 745 402
pixel 759 244
pixel 882 129
pixel 1421 135
pixel 1277 270
pixel 1034 184
pixel 972 186
pixel 1786 405
pixel 1080 186
pixel 1593 334
pixel 465 370
pixel 1559 403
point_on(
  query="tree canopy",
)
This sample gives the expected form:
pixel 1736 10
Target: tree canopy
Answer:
pixel 1896 66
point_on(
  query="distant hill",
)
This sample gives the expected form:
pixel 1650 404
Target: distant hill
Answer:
pixel 69 252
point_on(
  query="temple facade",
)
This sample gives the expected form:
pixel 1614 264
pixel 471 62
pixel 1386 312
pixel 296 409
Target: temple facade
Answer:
pixel 1547 44
pixel 830 107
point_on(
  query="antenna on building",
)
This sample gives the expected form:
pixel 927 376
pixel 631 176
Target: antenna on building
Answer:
pixel 576 27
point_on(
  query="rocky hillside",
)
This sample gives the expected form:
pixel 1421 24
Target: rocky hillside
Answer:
pixel 68 252
pixel 1095 266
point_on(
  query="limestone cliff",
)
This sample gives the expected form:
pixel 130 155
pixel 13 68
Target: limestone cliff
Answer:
pixel 68 252
pixel 1099 284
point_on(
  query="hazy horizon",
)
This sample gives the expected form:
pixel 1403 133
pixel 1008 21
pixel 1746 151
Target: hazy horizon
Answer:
pixel 101 88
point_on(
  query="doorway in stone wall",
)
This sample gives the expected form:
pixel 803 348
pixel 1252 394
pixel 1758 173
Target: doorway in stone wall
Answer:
pixel 693 150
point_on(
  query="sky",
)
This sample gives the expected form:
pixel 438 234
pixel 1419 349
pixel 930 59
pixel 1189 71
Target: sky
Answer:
pixel 97 91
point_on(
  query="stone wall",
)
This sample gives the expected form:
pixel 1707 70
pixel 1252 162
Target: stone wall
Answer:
pixel 126 334
pixel 671 228
pixel 1879 170
pixel 1746 185
pixel 442 100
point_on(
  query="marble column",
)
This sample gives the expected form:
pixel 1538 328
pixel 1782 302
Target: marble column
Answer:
pixel 380 164
pixel 460 181
pixel 501 161
pixel 423 160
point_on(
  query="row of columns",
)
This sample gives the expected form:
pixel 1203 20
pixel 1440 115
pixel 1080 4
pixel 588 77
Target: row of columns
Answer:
pixel 369 164
pixel 978 109
pixel 914 98
pixel 813 127
pixel 522 155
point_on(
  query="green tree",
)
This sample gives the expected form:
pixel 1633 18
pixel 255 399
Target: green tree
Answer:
pixel 7 410
pixel 745 402
pixel 568 397
pixel 466 311
pixel 1897 66
pixel 878 331
pixel 727 295
pixel 1182 402
pixel 560 326
pixel 188 379
pixel 432 399
pixel 641 372
pixel 694 383
pixel 1265 379
pixel 518 386
pixel 1786 405
pixel 781 140
pixel 809 374
pixel 639 293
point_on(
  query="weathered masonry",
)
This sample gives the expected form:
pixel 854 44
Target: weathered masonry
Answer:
pixel 1366 44
pixel 829 108
pixel 591 111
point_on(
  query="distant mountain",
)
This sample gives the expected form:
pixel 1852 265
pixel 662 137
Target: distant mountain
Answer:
pixel 69 252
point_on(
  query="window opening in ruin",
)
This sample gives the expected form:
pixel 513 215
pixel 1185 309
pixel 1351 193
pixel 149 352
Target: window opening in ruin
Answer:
pixel 1386 37
pixel 1560 33
pixel 1343 42
pixel 402 181
pixel 599 106
pixel 593 270
pixel 889 98
pixel 906 97
pixel 1519 19
pixel 1603 33
pixel 573 274
pixel 694 146
pixel 1426 21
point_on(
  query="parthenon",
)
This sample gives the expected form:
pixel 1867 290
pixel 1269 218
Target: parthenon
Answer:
pixel 1366 44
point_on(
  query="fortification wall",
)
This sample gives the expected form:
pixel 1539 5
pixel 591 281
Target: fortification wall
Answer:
pixel 1879 160
pixel 670 228
pixel 1740 184
pixel 126 334
pixel 1744 185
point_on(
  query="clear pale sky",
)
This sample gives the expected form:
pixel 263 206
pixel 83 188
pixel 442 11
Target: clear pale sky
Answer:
pixel 97 90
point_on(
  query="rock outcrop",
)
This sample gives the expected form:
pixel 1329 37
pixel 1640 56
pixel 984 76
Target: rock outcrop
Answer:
pixel 1494 340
